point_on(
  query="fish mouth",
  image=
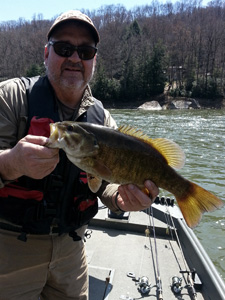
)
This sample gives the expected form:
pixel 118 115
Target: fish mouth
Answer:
pixel 52 128
pixel 55 136
pixel 74 140
pixel 54 132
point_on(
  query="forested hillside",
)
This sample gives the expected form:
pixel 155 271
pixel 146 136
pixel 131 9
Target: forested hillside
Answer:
pixel 177 47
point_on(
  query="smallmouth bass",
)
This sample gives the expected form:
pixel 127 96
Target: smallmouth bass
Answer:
pixel 126 155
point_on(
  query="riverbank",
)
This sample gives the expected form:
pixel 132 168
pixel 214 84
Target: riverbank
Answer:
pixel 166 102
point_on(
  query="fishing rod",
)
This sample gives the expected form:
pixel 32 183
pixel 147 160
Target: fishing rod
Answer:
pixel 176 281
pixel 156 260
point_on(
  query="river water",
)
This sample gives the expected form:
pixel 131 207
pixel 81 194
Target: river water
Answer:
pixel 201 134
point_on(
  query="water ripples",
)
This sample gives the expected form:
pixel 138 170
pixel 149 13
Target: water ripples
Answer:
pixel 201 134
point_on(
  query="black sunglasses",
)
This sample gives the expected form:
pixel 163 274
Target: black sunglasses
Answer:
pixel 66 49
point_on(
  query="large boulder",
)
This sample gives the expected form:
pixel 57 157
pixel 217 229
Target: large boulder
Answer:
pixel 188 103
pixel 179 104
pixel 150 105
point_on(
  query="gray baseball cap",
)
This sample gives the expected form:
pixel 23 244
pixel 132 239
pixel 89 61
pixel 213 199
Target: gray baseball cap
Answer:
pixel 74 15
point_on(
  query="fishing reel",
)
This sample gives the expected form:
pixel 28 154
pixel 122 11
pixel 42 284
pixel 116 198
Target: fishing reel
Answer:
pixel 144 286
pixel 176 284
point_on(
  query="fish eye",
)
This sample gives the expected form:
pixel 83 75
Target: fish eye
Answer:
pixel 70 128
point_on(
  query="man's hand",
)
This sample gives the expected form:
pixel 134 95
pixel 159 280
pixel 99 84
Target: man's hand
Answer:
pixel 29 157
pixel 131 198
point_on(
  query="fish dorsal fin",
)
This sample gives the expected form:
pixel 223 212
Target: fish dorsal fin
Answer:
pixel 170 150
pixel 129 130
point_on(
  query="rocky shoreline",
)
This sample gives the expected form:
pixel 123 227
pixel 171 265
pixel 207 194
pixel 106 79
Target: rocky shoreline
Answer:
pixel 163 102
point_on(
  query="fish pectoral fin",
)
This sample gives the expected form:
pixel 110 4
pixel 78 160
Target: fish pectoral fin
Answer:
pixel 102 171
pixel 94 182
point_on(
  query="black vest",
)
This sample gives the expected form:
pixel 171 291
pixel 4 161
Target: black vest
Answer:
pixel 62 198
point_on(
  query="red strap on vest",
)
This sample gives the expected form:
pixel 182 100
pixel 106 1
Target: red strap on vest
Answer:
pixel 20 192
pixel 39 127
pixel 86 203
pixel 83 177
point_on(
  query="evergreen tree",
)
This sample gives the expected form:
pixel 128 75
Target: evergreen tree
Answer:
pixel 154 72
pixel 35 70
pixel 103 87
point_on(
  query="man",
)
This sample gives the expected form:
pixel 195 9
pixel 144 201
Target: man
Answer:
pixel 44 199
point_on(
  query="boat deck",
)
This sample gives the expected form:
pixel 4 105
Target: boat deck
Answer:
pixel 120 254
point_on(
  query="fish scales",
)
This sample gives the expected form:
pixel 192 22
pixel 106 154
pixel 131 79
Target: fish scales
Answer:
pixel 126 156
pixel 139 165
pixel 129 159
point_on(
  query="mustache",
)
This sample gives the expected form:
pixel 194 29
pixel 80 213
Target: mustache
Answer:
pixel 76 66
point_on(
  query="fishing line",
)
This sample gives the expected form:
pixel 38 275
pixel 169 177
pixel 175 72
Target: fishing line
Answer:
pixel 147 235
pixel 167 218
pixel 156 260
pixel 189 278
pixel 142 257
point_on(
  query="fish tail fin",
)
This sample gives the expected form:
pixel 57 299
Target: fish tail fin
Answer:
pixel 195 202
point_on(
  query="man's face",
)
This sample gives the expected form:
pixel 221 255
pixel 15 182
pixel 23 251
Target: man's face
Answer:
pixel 70 72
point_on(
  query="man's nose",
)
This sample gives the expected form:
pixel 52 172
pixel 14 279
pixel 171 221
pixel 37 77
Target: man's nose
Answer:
pixel 75 57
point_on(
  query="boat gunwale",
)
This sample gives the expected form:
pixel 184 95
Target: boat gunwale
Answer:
pixel 213 286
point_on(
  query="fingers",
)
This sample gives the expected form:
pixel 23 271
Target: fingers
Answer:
pixel 38 140
pixel 33 159
pixel 131 198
